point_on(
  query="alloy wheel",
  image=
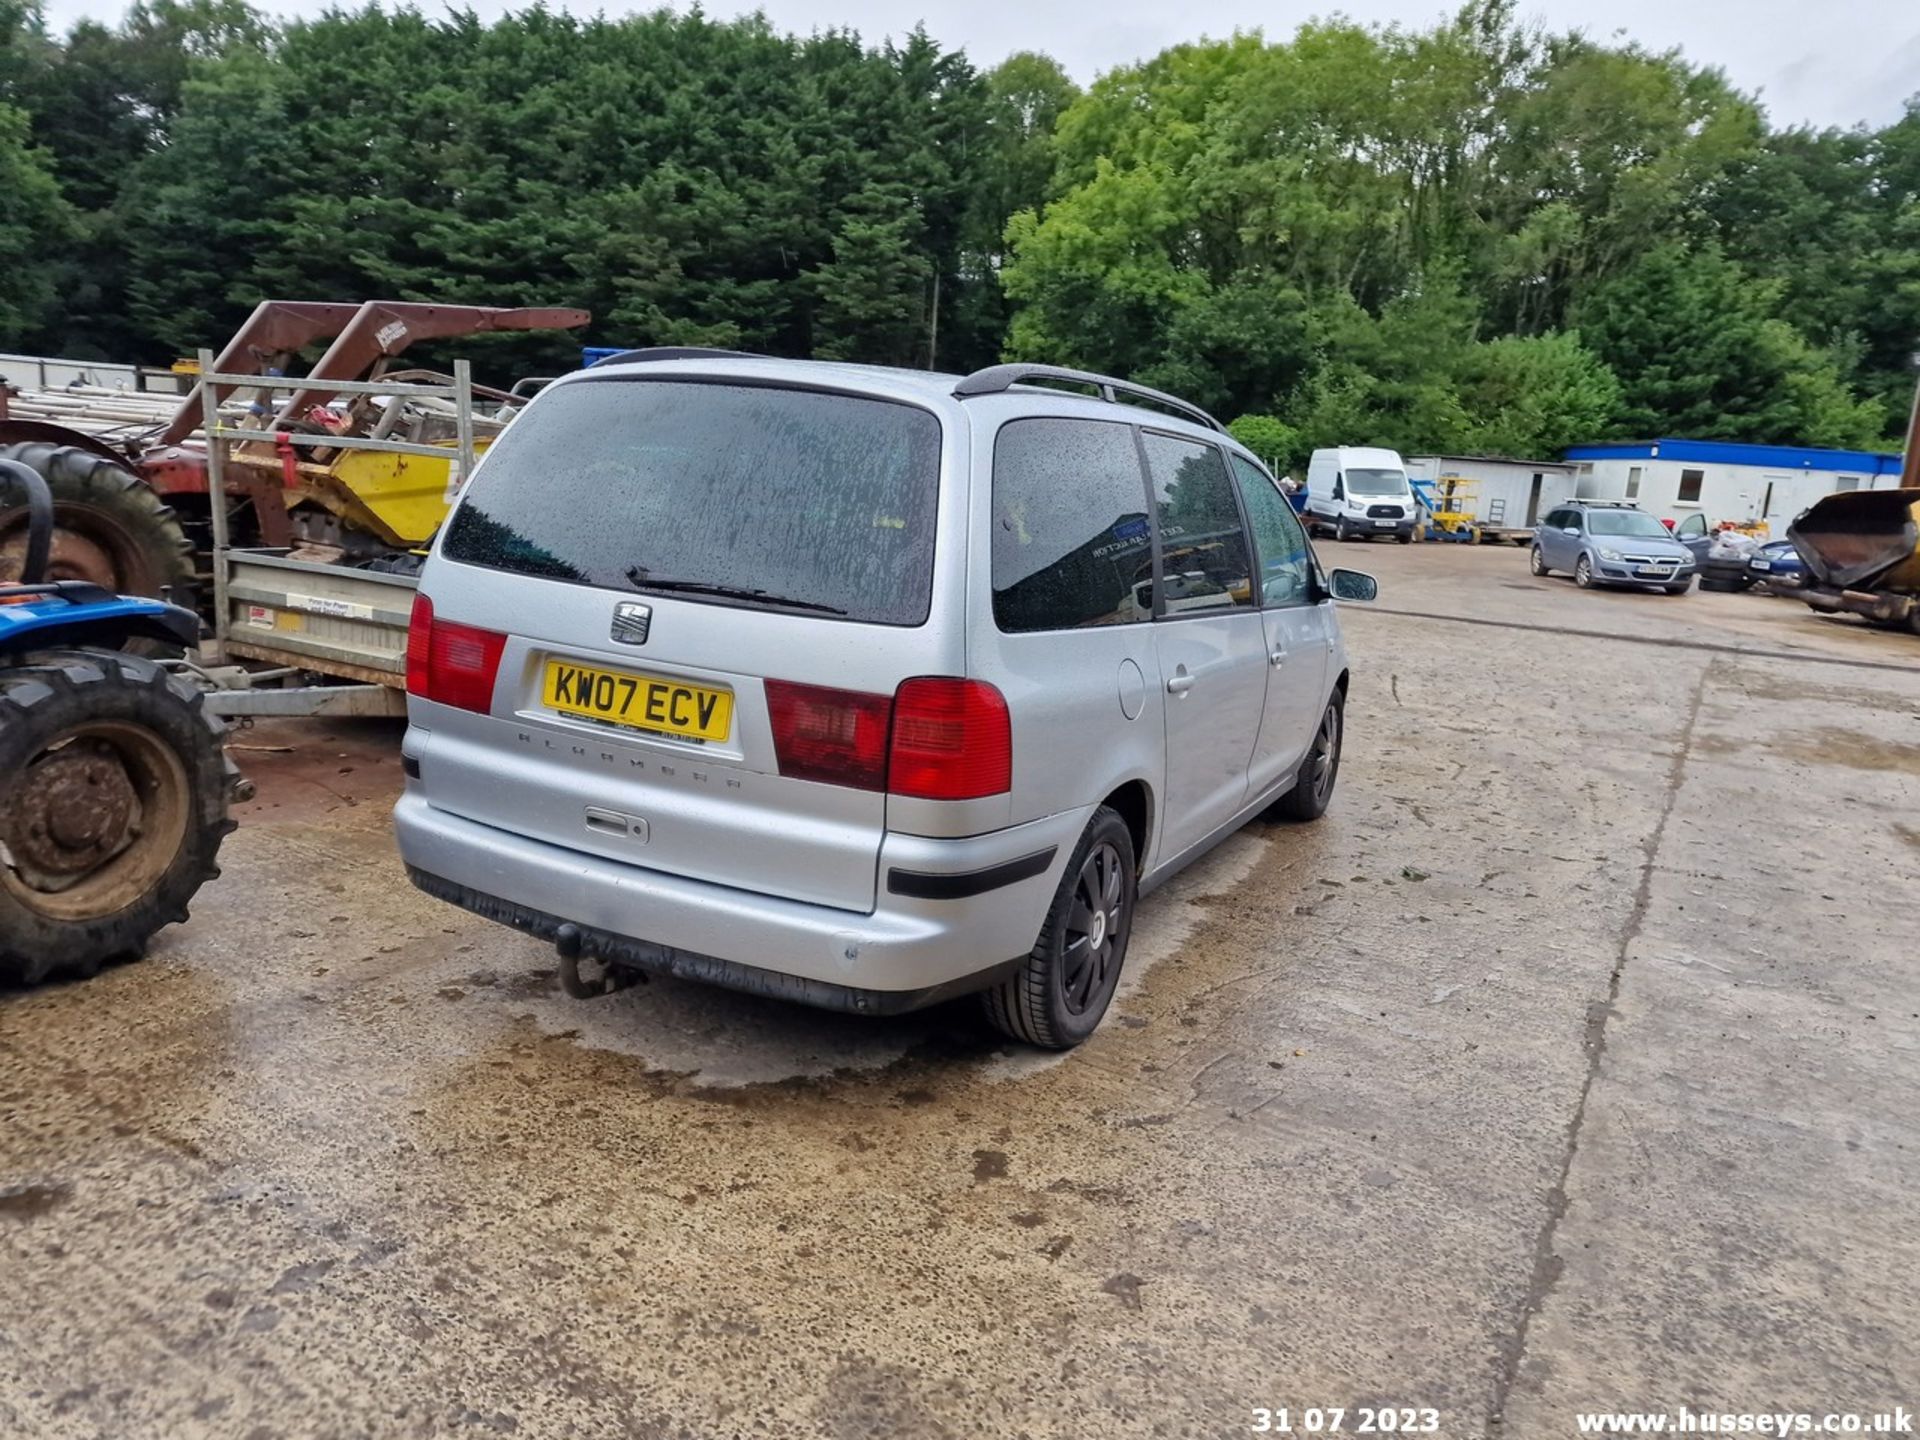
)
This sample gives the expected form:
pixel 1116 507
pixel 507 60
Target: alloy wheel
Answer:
pixel 1096 929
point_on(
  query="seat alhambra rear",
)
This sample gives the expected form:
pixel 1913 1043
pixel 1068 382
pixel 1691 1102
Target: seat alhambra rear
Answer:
pixel 697 684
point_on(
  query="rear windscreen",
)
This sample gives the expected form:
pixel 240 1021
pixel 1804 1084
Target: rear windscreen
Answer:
pixel 730 494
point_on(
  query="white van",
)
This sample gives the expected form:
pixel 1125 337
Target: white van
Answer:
pixel 1354 491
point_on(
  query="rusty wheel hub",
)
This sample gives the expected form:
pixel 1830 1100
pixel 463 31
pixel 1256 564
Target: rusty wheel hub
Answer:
pixel 74 810
pixel 76 554
pixel 93 821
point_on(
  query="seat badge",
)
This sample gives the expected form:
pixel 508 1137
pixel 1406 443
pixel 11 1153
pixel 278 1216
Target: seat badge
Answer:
pixel 631 621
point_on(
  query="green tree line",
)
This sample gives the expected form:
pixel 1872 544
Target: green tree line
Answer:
pixel 1479 236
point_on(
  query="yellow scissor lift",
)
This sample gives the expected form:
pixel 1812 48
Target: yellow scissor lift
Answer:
pixel 1452 504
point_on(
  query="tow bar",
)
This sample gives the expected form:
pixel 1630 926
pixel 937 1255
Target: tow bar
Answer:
pixel 602 979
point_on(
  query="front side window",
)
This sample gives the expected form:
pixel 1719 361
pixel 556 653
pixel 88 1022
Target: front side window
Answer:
pixel 743 495
pixel 1203 546
pixel 1286 565
pixel 1071 542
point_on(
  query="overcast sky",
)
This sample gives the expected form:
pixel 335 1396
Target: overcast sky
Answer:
pixel 1828 62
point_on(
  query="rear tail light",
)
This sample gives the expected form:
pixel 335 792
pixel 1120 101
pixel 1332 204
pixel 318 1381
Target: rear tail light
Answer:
pixel 835 736
pixel 451 664
pixel 933 739
pixel 952 740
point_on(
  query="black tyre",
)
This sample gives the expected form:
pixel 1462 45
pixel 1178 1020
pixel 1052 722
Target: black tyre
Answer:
pixel 1405 537
pixel 114 787
pixel 108 526
pixel 1313 791
pixel 1537 563
pixel 1340 529
pixel 1056 998
pixel 1583 573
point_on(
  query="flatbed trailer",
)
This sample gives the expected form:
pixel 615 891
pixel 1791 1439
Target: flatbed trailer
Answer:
pixel 304 618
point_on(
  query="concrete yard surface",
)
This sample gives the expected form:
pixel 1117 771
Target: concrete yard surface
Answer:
pixel 1572 1062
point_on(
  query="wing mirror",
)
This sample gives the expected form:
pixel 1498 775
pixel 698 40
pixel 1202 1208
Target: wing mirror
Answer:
pixel 1569 529
pixel 1353 585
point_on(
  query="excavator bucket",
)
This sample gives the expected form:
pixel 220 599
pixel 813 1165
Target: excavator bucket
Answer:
pixel 1864 538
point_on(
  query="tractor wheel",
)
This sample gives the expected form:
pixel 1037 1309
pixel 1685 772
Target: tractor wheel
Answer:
pixel 114 786
pixel 108 526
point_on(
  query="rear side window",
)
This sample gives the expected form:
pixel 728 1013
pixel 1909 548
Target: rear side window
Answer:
pixel 793 500
pixel 1071 542
pixel 1203 546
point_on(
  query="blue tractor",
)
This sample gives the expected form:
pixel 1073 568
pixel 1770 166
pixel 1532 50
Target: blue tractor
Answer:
pixel 114 780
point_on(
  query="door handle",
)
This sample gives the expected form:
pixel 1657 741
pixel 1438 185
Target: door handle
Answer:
pixel 1276 658
pixel 1180 684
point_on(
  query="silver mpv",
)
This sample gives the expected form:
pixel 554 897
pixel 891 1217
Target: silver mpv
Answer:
pixel 859 687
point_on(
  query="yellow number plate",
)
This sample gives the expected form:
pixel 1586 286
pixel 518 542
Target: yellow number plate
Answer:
pixel 645 702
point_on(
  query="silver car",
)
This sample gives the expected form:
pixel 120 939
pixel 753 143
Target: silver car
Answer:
pixel 1609 542
pixel 860 687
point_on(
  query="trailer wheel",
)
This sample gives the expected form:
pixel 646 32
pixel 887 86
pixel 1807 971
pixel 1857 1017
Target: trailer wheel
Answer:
pixel 109 526
pixel 114 786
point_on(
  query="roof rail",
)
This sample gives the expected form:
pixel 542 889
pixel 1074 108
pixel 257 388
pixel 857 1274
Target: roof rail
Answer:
pixel 671 352
pixel 997 379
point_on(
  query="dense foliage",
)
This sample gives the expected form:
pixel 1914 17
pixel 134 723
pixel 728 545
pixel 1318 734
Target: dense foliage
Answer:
pixel 1476 237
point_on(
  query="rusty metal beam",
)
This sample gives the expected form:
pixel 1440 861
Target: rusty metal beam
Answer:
pixel 384 328
pixel 276 327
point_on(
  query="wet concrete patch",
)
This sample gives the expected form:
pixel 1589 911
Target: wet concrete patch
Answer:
pixel 30 1202
pixel 1851 748
pixel 1805 684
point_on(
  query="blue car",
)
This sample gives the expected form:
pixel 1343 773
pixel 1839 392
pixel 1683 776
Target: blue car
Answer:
pixel 1778 560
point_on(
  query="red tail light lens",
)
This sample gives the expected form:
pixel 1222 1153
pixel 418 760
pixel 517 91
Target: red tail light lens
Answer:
pixel 451 664
pixel 836 736
pixel 952 740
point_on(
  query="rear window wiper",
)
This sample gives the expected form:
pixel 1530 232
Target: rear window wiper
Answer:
pixel 641 580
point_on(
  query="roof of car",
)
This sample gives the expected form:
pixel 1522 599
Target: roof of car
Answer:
pixel 1029 380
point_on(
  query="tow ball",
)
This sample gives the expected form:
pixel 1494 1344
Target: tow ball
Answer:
pixel 598 977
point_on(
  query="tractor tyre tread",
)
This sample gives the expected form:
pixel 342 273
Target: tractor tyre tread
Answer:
pixel 52 691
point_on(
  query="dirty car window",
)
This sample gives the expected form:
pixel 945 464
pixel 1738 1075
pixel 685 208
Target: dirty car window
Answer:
pixel 823 500
pixel 1071 541
pixel 1626 522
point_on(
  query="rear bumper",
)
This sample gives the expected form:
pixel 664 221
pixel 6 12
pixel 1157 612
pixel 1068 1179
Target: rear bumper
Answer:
pixel 913 949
